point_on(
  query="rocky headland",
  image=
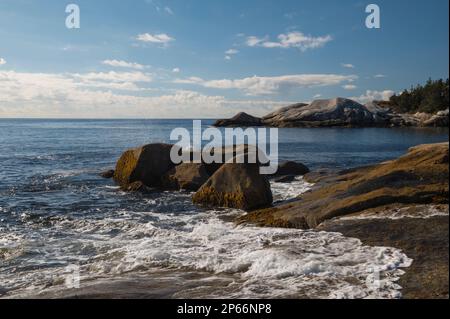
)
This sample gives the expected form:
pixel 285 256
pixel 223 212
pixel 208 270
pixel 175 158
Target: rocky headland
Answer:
pixel 338 112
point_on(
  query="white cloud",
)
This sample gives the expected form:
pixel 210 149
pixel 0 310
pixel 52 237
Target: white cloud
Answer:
pixel 168 10
pixel 190 80
pixel 176 70
pixel 379 76
pixel 293 39
pixel 253 41
pixel 70 95
pixel 2 61
pixel 124 64
pixel 161 38
pixel 114 76
pixel 348 65
pixel 349 87
pixel 370 96
pixel 271 85
pixel 231 52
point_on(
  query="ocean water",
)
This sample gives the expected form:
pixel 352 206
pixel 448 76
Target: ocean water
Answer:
pixel 56 213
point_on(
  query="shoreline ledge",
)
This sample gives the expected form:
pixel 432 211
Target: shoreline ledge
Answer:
pixel 419 177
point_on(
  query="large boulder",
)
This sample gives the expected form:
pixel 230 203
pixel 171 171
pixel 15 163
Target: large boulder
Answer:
pixel 419 177
pixel 240 120
pixel 238 186
pixel 187 176
pixel 146 164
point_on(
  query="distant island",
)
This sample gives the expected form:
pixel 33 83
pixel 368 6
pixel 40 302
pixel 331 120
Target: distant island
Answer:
pixel 421 106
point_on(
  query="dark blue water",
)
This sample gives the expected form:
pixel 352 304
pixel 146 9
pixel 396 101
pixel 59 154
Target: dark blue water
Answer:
pixel 55 210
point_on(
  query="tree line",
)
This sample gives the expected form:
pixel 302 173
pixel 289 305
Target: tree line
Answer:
pixel 429 98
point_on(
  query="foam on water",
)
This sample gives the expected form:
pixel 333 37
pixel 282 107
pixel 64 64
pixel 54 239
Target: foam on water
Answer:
pixel 286 191
pixel 262 262
pixel 418 211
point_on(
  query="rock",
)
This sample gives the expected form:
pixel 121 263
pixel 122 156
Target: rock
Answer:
pixel 426 241
pixel 146 164
pixel 285 179
pixel 238 186
pixel 136 187
pixel 322 113
pixel 419 177
pixel 240 120
pixel 339 112
pixel 187 176
pixel 107 174
pixel 439 120
pixel 292 168
pixel 283 113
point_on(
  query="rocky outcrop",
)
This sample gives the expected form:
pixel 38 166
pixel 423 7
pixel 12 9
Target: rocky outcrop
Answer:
pixel 292 168
pixel 146 164
pixel 187 176
pixel 338 112
pixel 285 112
pixel 238 186
pixel 240 120
pixel 438 120
pixel 323 113
pixel 420 177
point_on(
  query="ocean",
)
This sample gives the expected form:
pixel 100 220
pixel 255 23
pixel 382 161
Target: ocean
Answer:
pixel 58 219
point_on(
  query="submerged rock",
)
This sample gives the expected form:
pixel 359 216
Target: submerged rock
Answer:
pixel 236 186
pixel 187 176
pixel 146 164
pixel 107 174
pixel 419 177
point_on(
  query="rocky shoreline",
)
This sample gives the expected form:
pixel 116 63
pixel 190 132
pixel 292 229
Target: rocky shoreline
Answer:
pixel 386 204
pixel 338 112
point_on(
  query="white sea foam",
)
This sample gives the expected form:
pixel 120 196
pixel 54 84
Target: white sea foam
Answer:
pixel 417 212
pixel 286 191
pixel 262 262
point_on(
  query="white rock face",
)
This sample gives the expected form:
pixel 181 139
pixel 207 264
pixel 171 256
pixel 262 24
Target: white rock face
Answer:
pixel 333 112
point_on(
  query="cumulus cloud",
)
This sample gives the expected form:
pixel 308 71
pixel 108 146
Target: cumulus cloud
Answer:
pixel 176 70
pixel 114 76
pixel 370 96
pixel 293 39
pixel 124 64
pixel 271 85
pixel 229 53
pixel 91 96
pixel 2 61
pixel 349 87
pixel 379 76
pixel 348 65
pixel 161 38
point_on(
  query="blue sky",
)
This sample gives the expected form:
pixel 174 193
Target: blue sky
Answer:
pixel 199 58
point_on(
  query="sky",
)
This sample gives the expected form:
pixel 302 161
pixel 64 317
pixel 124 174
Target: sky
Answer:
pixel 211 58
